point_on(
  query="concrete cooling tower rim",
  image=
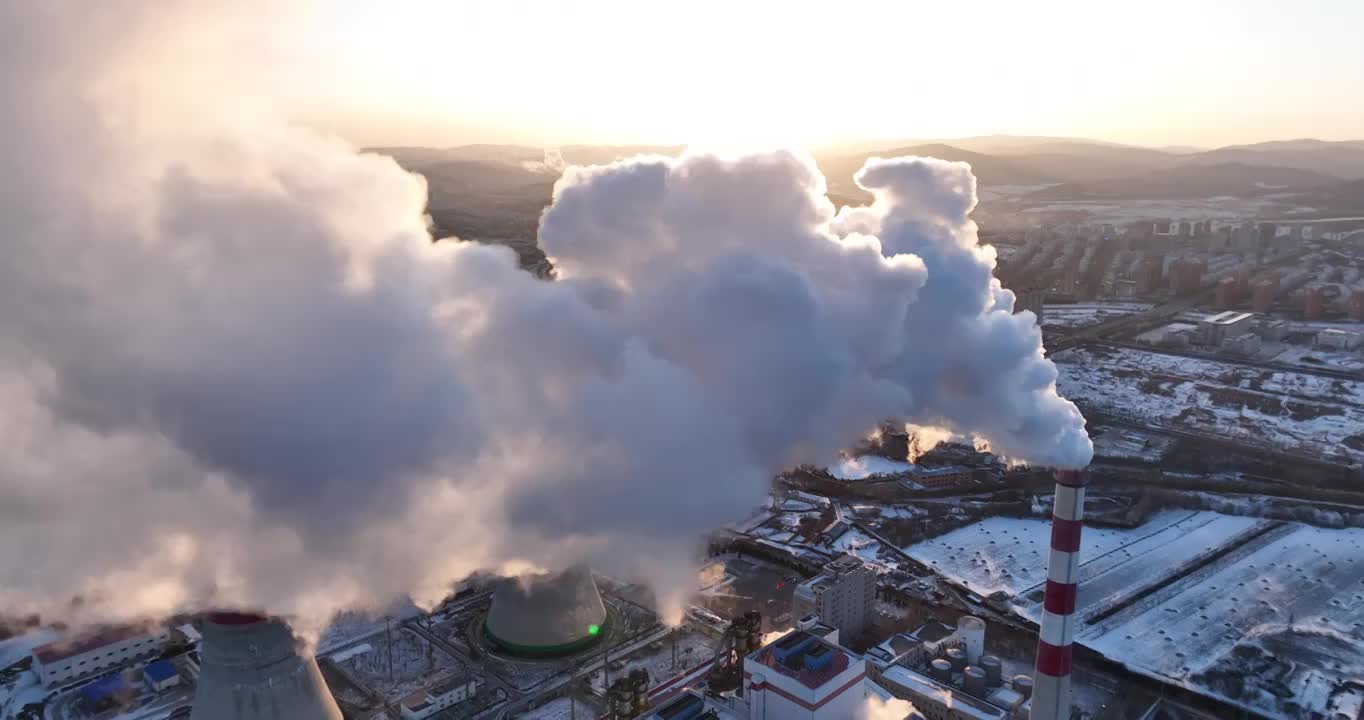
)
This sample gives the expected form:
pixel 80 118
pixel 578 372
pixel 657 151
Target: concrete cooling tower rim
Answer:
pixel 547 616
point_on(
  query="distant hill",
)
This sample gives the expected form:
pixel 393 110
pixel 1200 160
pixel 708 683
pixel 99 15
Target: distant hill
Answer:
pixel 1344 160
pixel 1079 161
pixel 1192 181
pixel 988 169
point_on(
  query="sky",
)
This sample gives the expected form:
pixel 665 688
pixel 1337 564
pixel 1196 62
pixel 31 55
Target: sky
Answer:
pixel 1204 73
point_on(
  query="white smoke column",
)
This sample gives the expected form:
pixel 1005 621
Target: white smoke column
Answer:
pixel 892 709
pixel 235 371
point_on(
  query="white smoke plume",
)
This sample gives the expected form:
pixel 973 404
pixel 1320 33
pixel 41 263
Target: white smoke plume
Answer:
pixel 892 709
pixel 235 370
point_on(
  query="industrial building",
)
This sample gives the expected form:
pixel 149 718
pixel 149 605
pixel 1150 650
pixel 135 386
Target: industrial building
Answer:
pixel 439 698
pixel 938 700
pixel 160 675
pixel 843 597
pixel 1216 329
pixel 941 477
pixel 1335 339
pixel 547 615
pixel 253 669
pixel 802 676
pixel 98 652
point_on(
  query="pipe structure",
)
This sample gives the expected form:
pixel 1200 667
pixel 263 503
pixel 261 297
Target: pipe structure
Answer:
pixel 1051 679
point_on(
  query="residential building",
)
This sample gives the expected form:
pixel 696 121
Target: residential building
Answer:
pixel 843 596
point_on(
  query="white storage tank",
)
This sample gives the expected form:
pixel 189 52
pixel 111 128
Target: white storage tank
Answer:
pixel 972 631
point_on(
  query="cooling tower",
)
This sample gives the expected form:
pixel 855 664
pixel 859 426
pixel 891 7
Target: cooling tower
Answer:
pixel 547 615
pixel 252 670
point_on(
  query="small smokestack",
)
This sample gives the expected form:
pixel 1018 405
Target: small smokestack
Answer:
pixel 1051 680
pixel 252 670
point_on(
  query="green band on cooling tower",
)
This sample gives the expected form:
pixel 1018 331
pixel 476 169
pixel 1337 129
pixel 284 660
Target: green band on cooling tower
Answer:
pixel 551 651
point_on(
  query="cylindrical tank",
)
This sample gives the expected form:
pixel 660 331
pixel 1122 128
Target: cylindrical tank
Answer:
pixel 253 669
pixel 1023 685
pixel 994 669
pixel 973 681
pixel 957 657
pixel 972 631
pixel 940 669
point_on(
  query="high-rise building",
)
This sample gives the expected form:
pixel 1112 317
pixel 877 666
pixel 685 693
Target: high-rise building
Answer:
pixel 843 597
pixel 1314 302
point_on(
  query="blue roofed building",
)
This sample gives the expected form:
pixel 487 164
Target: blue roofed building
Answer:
pixel 160 675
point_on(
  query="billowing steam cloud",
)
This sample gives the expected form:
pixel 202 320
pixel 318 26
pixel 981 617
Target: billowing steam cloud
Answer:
pixel 234 370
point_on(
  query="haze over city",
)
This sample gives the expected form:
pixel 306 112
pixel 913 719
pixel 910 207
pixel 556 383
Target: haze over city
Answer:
pixel 745 361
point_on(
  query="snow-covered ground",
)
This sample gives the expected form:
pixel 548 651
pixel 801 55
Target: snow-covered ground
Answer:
pixel 1287 410
pixel 867 465
pixel 1086 314
pixel 1268 615
pixel 693 648
pixel 558 709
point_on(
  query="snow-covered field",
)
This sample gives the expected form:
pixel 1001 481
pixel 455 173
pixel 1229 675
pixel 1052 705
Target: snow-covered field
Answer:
pixel 1288 410
pixel 1268 615
pixel 1084 315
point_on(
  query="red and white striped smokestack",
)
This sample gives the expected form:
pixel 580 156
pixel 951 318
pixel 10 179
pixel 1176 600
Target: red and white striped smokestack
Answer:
pixel 1051 681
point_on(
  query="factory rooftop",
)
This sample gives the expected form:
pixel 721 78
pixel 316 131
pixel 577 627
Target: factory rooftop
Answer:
pixel 62 649
pixel 805 657
pixel 961 704
pixel 1227 318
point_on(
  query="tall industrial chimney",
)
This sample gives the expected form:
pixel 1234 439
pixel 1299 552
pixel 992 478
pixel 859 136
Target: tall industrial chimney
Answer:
pixel 252 670
pixel 1051 680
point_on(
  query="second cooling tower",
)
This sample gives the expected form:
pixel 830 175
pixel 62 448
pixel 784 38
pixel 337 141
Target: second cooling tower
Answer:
pixel 547 615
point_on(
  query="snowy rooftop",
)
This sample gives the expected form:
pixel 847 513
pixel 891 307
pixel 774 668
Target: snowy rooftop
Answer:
pixel 959 703
pixel 1200 599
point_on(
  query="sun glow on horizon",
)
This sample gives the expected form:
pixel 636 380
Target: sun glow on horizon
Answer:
pixel 766 73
